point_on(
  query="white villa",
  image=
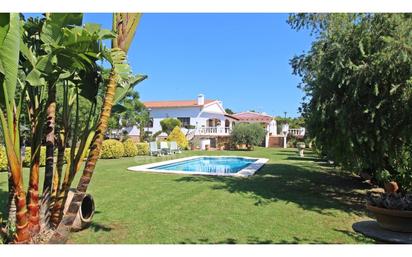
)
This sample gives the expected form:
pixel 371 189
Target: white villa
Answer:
pixel 206 120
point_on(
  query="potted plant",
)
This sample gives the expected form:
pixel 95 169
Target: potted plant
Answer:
pixel 301 147
pixel 392 206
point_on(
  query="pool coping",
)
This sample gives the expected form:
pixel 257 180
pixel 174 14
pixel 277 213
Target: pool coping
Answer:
pixel 245 172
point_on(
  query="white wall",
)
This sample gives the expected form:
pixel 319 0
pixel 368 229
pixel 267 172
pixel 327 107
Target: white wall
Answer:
pixel 159 114
pixel 198 117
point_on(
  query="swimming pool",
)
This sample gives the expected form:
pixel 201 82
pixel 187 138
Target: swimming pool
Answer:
pixel 207 165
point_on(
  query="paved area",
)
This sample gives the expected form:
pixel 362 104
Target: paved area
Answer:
pixel 370 228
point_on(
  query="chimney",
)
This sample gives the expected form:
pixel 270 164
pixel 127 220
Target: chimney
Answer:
pixel 200 99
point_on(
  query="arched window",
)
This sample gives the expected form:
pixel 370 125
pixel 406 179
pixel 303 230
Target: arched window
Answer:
pixel 227 123
pixel 213 122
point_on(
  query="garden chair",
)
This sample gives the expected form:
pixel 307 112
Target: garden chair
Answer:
pixel 154 151
pixel 164 147
pixel 174 148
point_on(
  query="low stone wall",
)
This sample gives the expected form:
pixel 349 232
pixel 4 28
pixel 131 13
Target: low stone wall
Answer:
pixel 276 141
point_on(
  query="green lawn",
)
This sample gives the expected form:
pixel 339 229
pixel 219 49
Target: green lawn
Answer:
pixel 290 200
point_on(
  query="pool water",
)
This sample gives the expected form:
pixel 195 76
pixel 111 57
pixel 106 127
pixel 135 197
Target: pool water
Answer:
pixel 209 165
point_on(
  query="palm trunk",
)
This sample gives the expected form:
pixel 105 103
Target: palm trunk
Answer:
pixel 50 135
pixel 11 206
pixel 57 176
pixel 22 232
pixel 33 195
pixel 22 225
pixel 62 231
pixel 58 205
pixel 49 169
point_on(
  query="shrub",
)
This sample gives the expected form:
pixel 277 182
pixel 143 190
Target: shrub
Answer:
pixel 27 157
pixel 250 134
pixel 112 149
pixel 142 148
pixel 3 159
pixel 67 154
pixel 169 124
pixel 178 136
pixel 130 148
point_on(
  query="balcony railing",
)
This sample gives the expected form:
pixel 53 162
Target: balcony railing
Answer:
pixel 300 132
pixel 224 131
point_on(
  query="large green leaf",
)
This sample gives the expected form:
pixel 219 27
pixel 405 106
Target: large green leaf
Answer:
pixel 128 85
pixel 9 56
pixel 34 78
pixel 4 26
pixel 51 32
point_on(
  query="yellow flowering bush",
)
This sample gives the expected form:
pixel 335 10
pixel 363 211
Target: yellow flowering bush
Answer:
pixel 142 148
pixel 130 148
pixel 3 159
pixel 178 136
pixel 112 149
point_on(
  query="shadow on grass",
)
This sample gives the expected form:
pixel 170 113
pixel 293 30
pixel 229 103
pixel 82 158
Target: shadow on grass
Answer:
pixel 297 158
pixel 253 240
pixel 305 184
pixel 97 227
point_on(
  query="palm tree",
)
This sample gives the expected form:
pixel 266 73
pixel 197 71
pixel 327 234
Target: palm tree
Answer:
pixel 10 114
pixel 124 25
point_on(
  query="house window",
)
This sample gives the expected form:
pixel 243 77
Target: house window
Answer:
pixel 227 123
pixel 185 121
pixel 150 123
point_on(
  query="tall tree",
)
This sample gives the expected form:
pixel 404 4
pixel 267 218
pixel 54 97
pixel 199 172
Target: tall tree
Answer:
pixel 125 26
pixel 357 80
pixel 10 31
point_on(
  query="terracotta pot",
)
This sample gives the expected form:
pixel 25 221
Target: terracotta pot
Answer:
pixel 85 215
pixel 391 187
pixel 394 220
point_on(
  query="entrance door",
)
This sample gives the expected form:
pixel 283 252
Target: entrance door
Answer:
pixel 213 143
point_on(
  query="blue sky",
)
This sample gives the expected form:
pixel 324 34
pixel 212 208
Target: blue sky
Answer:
pixel 241 59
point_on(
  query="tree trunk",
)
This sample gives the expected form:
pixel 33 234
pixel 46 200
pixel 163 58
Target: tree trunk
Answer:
pixel 22 225
pixel 11 206
pixel 33 194
pixel 62 231
pixel 61 143
pixel 50 135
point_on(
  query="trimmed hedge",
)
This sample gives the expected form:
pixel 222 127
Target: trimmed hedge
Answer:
pixel 130 148
pixel 67 154
pixel 3 159
pixel 112 149
pixel 142 148
pixel 27 156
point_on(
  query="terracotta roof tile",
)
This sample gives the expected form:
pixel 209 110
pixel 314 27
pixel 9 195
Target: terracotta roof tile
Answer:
pixel 252 116
pixel 168 104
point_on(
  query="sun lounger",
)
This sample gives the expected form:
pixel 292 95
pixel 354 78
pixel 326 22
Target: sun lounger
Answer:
pixel 164 147
pixel 174 148
pixel 154 151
